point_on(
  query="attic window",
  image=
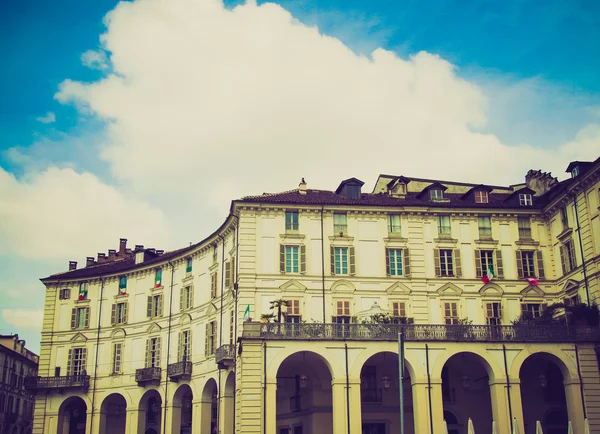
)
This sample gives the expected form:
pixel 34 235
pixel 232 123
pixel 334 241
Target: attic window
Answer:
pixel 481 196
pixel 436 194
pixel 352 192
pixel 525 199
pixel 575 172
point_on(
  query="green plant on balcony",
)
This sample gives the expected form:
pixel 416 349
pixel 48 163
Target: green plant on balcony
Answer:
pixel 267 317
pixel 465 329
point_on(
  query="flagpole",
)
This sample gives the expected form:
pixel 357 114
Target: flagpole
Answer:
pixel 401 378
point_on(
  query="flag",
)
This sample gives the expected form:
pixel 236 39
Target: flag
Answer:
pixel 489 275
pixel 158 278
pixel 83 291
pixel 247 313
pixel 532 281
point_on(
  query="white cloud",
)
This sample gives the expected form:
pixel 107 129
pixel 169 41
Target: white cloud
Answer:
pixel 23 318
pixel 95 59
pixel 48 118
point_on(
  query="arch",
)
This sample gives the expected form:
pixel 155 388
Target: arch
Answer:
pixel 113 410
pixel 180 393
pixel 491 290
pixel 563 361
pixel 342 286
pixel 450 417
pixel 209 407
pixel 124 394
pixel 490 365
pixel 150 410
pixel 182 410
pixel 285 353
pixel 72 415
pixel 186 318
pixel 118 333
pixel 411 364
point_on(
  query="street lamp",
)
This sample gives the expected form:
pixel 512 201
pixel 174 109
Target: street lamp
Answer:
pixel 386 382
pixel 303 380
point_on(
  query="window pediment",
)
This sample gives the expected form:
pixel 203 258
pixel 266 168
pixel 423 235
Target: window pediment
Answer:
pixel 293 285
pixel 153 328
pixel 570 285
pixel 118 334
pixel 450 290
pixel 491 290
pixel 79 337
pixel 186 318
pixel 343 286
pixel 398 288
pixel 531 291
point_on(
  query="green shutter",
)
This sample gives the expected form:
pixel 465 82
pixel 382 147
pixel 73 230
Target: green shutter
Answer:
pixel 499 266
pixel 74 318
pixel 406 259
pixel 149 307
pixel 457 263
pixel 303 259
pixel 181 299
pixel 540 264
pixel 436 262
pixel 282 258
pixel 332 252
pixel 157 358
pixel 352 261
pixel 519 264
pixel 387 262
pixel 160 305
pixel 478 269
pixel 191 297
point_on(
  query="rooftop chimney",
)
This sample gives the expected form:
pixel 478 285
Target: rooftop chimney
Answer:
pixel 89 261
pixel 151 249
pixel 122 245
pixel 138 247
pixel 539 181
pixel 302 187
pixel 72 265
pixel 101 258
pixel 112 254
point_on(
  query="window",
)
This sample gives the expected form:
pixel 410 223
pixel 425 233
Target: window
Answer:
pixel 494 313
pixel 567 256
pixel 340 223
pixel 525 199
pixel 123 285
pixel 447 262
pixel 158 278
pixel 342 260
pixel 117 361
pixel 575 171
pixel 77 361
pixel 436 194
pixel 230 272
pixel 155 306
pixel 342 312
pixel 394 262
pixel 213 284
pixel 184 349
pixel 210 340
pixel 118 313
pixel 534 310
pixel 83 291
pixel 64 294
pixel 486 258
pixel 444 225
pixel 215 254
pixel 481 196
pixel 485 227
pixel 293 311
pixel 188 267
pixel 291 221
pixel 564 218
pixel 524 227
pixel 450 312
pixel 186 298
pixel 80 317
pixel 571 300
pixel 530 264
pixel 394 223
pixel 153 352
pixel 399 309
pixel 291 259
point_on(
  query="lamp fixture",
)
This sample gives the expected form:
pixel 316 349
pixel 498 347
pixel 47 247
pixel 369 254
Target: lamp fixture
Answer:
pixel 386 382
pixel 303 380
pixel 543 381
pixel 466 382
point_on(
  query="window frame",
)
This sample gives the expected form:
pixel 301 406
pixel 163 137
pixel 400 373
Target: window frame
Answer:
pixel 528 261
pixel 524 227
pixel 64 294
pixel 189 265
pixel 436 195
pixel 293 313
pixel 452 307
pixel 338 261
pixel 394 227
pixel 117 359
pixel 481 196
pixel 396 262
pixel 292 259
pixel 447 263
pixel 525 199
pixel 444 230
pixel 340 222
pixel 292 221
pixel 495 307
pixel 485 229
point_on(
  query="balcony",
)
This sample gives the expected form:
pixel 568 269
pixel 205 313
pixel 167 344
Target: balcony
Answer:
pixel 421 332
pixel 179 371
pixel 34 384
pixel 225 355
pixel 147 375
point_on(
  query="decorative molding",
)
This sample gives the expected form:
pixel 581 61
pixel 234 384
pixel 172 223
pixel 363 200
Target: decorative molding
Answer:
pixel 291 237
pixel 570 285
pixel 78 338
pixel 293 285
pixel 531 291
pixel 153 328
pixel 398 288
pixel 118 333
pixel 449 289
pixel 342 286
pixel 527 242
pixel 491 290
pixel 487 241
pixel 186 318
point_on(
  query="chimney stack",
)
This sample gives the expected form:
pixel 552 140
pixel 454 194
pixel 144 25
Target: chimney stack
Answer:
pixel 138 247
pixel 101 258
pixel 89 261
pixel 539 181
pixel 151 250
pixel 112 254
pixel 122 245
pixel 302 187
pixel 72 265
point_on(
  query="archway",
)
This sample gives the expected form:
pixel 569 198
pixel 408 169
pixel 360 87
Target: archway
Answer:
pixel 150 412
pixel 543 394
pixel 380 395
pixel 304 396
pixel 72 416
pixel 182 410
pixel 466 392
pixel 113 414
pixel 209 408
pixel 228 416
pixel 451 422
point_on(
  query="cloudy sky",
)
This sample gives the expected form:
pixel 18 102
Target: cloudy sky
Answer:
pixel 144 119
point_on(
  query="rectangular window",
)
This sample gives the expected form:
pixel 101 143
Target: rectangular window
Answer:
pixel 450 313
pixel 185 342
pixel 119 313
pixel 444 225
pixel 494 313
pixel 215 254
pixel 525 200
pixel 117 364
pixel 210 338
pixel 481 197
pixel 485 227
pixel 185 300
pixel 64 294
pixel 188 267
pixel 564 217
pixel 528 264
pixel 342 312
pixel 153 352
pixel 570 250
pixel 533 309
pixel 155 306
pixel 83 291
pixel 524 227
pixel 158 278
pixel 293 311
pixel 291 259
pixel 77 361
pixel 446 263
pixel 340 223
pixel 436 194
pixel 80 317
pixel 399 309
pixel 291 220
pixel 340 260
pixel 487 262
pixel 213 284
pixel 123 285
pixel 394 223
pixel 394 262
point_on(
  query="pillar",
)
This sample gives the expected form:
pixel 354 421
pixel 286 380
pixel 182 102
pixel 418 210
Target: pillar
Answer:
pixel 420 398
pixel 134 420
pixel 97 425
pixel 205 414
pixel 196 416
pixel 226 412
pixel 270 411
pixel 574 404
pixel 437 406
pixel 499 401
pixel 355 407
pixel 338 400
pixel 516 403
pixel 173 418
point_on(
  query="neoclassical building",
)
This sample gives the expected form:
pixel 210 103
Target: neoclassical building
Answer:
pixel 146 341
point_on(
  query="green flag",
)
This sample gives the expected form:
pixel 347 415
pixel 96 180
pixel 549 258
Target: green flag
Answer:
pixel 247 313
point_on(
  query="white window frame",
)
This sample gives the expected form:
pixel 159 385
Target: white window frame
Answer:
pixel 444 230
pixel 117 361
pixel 341 257
pixel 447 263
pixel 394 224
pixel 292 259
pixel 481 196
pixel 484 224
pixel 525 199
pixel 396 262
pixel 436 194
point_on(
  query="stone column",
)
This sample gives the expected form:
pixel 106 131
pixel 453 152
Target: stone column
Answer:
pixel 437 405
pixel 196 417
pixel 499 401
pixel 98 425
pixel 205 414
pixel 226 415
pixel 574 404
pixel 173 417
pixel 355 406
pixel 420 399
pixel 338 400
pixel 271 411
pixel 516 403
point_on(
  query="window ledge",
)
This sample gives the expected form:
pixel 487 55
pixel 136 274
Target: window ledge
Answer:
pixel 343 238
pixel 188 278
pixel 565 234
pixel 214 266
pixel 84 301
pixel 446 240
pixel 395 235
pixel 157 288
pixel 292 236
pixel 526 242
pixel 121 296
pixel 486 241
pixel 395 240
pixel 439 200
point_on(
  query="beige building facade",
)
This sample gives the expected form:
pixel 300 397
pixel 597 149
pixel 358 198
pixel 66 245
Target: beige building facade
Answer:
pixel 145 341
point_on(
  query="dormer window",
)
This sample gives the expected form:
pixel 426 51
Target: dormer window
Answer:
pixel 436 194
pixel 525 199
pixel 575 172
pixel 481 196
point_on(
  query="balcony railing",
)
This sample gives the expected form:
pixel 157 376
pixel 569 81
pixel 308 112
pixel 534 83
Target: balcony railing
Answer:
pixel 64 382
pixel 179 371
pixel 421 332
pixel 147 375
pixel 225 353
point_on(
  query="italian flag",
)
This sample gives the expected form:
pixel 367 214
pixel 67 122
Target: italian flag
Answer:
pixel 247 313
pixel 158 278
pixel 489 275
pixel 82 292
pixel 532 281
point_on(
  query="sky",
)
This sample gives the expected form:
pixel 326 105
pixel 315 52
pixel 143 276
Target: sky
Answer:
pixel 144 119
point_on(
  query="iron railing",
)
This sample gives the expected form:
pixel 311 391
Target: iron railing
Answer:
pixel 61 382
pixel 421 332
pixel 147 374
pixel 224 353
pixel 179 369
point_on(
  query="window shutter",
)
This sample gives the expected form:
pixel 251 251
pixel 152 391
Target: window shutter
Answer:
pixel 232 268
pixel 436 262
pixel 74 318
pixel 160 305
pixel 519 264
pixel 227 274
pixel 479 271
pixel 157 357
pixel 332 251
pixel 540 264
pixel 282 258
pixel 179 347
pixel 500 309
pixel 125 306
pixel 189 345
pixel 182 296
pixel 149 307
pixel 303 259
pixel 83 359
pixel 87 317
pixel 457 264
pixel 70 362
pixel 563 259
pixel 387 262
pixel 147 353
pixel 113 314
pixel 490 310
pixel 523 308
pixel 499 266
pixel 352 261
pixel 206 335
pixel 406 259
pixel 191 297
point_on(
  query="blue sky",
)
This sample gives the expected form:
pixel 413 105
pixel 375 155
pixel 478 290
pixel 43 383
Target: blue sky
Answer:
pixel 136 128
